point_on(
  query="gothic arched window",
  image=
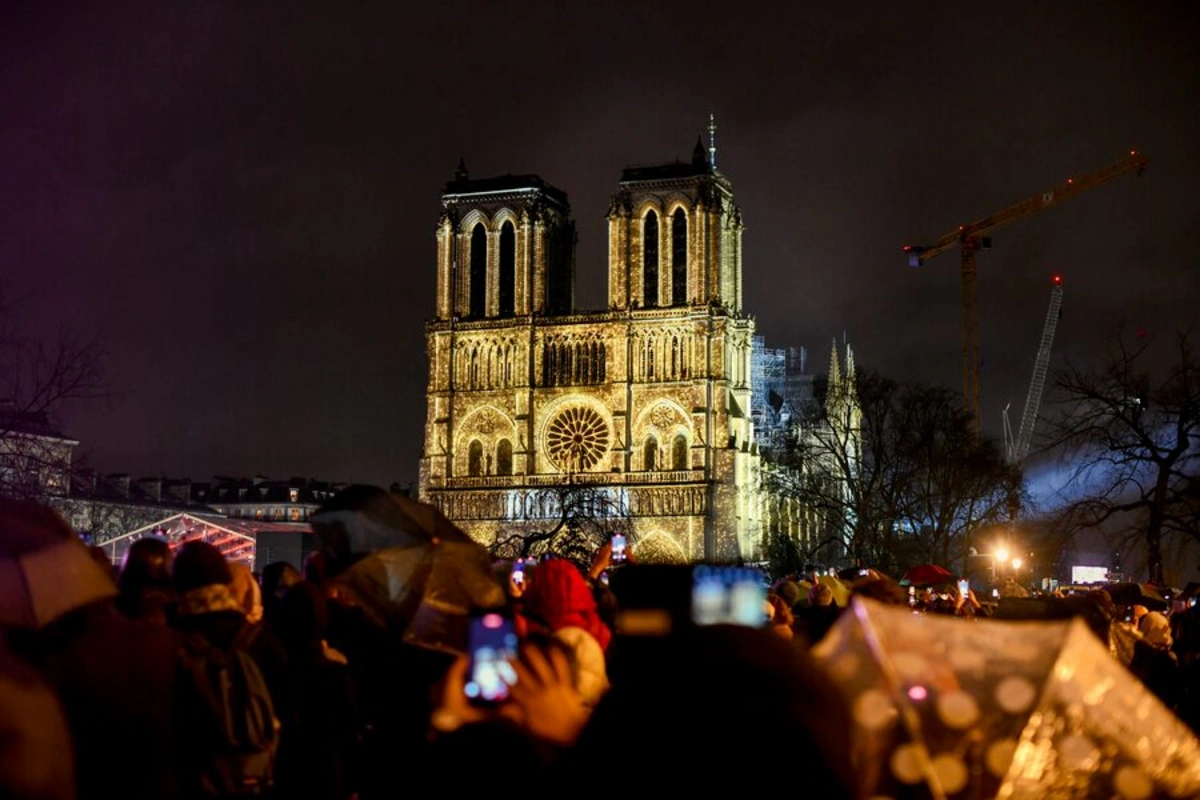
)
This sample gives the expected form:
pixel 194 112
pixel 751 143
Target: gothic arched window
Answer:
pixel 475 459
pixel 508 270
pixel 650 259
pixel 504 457
pixel 478 304
pixel 678 258
pixel 650 454
pixel 679 453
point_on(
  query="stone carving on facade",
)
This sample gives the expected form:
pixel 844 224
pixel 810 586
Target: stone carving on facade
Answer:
pixel 662 416
pixel 620 205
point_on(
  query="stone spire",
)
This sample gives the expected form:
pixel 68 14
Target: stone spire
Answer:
pixel 849 364
pixel 712 141
pixel 833 391
pixel 461 174
pixel 835 371
pixel 698 157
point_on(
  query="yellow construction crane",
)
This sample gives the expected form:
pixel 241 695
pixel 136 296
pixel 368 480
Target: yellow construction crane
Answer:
pixel 971 238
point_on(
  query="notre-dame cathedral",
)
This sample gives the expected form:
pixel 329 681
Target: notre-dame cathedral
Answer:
pixel 648 401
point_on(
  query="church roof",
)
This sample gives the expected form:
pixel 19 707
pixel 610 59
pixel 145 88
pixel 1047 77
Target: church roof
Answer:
pixel 675 170
pixel 662 172
pixel 505 183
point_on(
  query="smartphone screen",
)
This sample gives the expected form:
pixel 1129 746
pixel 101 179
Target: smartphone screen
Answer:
pixel 964 587
pixel 492 645
pixel 618 548
pixel 518 572
pixel 728 596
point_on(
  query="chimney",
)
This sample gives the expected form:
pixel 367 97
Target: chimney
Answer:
pixel 152 487
pixel 180 491
pixel 85 482
pixel 259 479
pixel 120 482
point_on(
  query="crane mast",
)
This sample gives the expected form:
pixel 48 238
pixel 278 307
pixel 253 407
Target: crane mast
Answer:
pixel 971 238
pixel 1018 449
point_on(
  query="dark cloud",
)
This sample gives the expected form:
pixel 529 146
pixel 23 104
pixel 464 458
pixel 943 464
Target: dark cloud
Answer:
pixel 242 195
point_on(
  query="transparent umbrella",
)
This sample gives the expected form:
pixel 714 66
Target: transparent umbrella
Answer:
pixel 408 566
pixel 947 708
pixel 45 570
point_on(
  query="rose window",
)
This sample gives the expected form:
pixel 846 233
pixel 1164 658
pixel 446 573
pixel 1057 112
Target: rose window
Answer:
pixel 576 439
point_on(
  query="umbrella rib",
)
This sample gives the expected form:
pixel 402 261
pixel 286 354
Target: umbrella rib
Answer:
pixel 907 714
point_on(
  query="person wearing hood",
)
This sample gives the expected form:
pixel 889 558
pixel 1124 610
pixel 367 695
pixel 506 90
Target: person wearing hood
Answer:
pixel 557 601
pixel 216 601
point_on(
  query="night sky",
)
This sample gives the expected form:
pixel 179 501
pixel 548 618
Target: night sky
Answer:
pixel 241 196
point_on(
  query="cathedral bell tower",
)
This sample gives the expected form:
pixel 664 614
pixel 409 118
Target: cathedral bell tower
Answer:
pixel 675 235
pixel 505 247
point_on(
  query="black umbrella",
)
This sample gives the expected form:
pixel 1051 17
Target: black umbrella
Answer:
pixel 1136 594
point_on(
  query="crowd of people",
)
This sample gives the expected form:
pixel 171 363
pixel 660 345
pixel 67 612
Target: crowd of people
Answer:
pixel 188 676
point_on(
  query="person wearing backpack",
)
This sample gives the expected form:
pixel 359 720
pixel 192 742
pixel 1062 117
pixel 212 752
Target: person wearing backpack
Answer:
pixel 228 728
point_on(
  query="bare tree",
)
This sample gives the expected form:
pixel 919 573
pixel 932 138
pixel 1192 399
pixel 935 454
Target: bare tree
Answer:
pixel 1131 434
pixel 906 480
pixel 955 481
pixel 37 379
pixel 577 519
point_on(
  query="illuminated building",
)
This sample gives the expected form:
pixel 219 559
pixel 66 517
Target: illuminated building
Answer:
pixel 648 401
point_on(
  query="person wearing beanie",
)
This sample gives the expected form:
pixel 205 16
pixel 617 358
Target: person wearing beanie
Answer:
pixel 208 612
pixel 789 592
pixel 203 581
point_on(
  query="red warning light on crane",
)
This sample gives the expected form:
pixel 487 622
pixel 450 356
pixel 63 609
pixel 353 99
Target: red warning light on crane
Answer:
pixel 1057 279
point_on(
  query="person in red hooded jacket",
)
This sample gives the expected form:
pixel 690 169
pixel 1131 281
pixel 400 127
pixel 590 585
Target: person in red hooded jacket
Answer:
pixel 558 601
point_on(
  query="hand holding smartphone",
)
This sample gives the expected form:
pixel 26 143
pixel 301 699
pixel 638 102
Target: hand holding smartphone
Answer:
pixel 492 647
pixel 618 548
pixel 964 588
pixel 726 595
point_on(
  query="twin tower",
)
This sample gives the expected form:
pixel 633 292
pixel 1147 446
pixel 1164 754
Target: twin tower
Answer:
pixel 646 401
pixel 506 245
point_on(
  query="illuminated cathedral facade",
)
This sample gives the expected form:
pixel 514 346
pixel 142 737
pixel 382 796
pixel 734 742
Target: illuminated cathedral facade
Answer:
pixel 648 401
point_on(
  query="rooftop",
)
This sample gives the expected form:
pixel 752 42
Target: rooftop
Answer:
pixel 462 184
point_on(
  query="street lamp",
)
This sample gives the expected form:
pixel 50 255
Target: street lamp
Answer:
pixel 1016 562
pixel 999 558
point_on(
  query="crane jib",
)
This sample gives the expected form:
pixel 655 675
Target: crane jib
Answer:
pixel 970 238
